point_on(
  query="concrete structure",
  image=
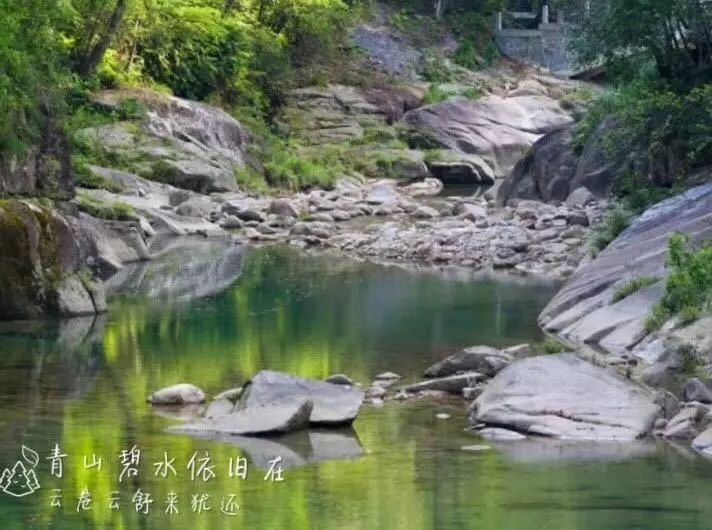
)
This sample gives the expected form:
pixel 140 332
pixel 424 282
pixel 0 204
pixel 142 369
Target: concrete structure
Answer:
pixel 532 38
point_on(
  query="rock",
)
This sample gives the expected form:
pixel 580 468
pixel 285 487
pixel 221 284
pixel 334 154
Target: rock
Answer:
pixel 500 130
pixel 44 252
pixel 180 394
pixel 452 384
pixel 454 167
pixel 579 198
pixel 177 197
pixel 339 379
pixel 520 351
pixel 562 396
pixel 583 310
pixel 667 402
pixel 232 394
pixel 696 390
pixel 231 222
pixel 381 193
pixel 376 392
pixel 250 215
pixel 703 442
pixel 188 144
pixel 401 395
pixel 428 187
pixel 483 359
pixel 683 424
pixel 270 419
pixel 333 404
pixel 468 210
pixel 472 392
pixel 283 207
pixel 425 212
pixel 499 434
pixel 442 416
pixel 387 376
pixel 475 448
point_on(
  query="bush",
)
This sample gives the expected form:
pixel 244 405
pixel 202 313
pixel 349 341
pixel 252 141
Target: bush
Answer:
pixel 615 221
pixel 688 291
pixel 435 94
pixel 552 346
pixel 633 286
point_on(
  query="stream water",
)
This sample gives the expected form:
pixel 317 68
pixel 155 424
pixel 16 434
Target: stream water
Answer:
pixel 214 316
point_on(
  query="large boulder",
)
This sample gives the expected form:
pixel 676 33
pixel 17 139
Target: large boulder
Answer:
pixel 333 404
pixel 43 270
pixel 188 144
pixel 270 419
pixel 562 396
pixel 483 359
pixel 500 130
pixel 585 311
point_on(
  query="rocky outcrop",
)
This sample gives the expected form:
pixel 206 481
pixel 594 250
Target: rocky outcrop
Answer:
pixel 43 169
pixel 44 269
pixel 584 311
pixel 184 143
pixel 332 404
pixel 499 129
pixel 562 396
pixel 552 170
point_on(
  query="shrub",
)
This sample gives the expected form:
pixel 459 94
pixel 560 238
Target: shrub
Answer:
pixel 633 286
pixel 435 94
pixel 616 220
pixel 552 346
pixel 688 290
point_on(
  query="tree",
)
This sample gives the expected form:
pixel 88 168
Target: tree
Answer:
pixel 673 35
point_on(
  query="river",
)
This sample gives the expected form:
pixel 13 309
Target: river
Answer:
pixel 213 316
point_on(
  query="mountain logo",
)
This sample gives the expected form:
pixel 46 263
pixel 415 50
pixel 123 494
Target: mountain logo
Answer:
pixel 21 481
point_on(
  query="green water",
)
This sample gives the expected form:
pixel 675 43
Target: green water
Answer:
pixel 83 384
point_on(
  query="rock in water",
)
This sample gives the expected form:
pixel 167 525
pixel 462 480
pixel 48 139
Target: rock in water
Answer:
pixel 483 359
pixel 339 379
pixel 452 384
pixel 565 397
pixel 181 394
pixel 333 404
pixel 270 419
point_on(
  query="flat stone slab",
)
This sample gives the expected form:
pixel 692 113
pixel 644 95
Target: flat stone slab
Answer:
pixel 562 396
pixel 270 419
pixel 333 404
pixel 452 384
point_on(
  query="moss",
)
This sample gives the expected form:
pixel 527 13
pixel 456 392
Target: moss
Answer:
pixel 116 211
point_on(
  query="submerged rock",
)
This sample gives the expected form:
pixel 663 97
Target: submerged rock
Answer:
pixel 333 404
pixel 339 379
pixel 180 394
pixel 562 396
pixel 270 419
pixel 452 384
pixel 483 359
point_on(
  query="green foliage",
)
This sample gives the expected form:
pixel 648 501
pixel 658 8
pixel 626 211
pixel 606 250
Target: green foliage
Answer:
pixel 435 94
pixel 614 222
pixel 117 211
pixel 688 291
pixel 633 286
pixel 84 177
pixel 551 346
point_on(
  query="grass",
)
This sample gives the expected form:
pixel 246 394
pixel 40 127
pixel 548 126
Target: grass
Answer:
pixel 616 220
pixel 633 286
pixel 117 211
pixel 551 346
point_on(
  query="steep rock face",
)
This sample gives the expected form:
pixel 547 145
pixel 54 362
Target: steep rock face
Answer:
pixel 499 129
pixel 42 169
pixel 42 262
pixel 562 396
pixel 551 170
pixel 187 144
pixel 584 312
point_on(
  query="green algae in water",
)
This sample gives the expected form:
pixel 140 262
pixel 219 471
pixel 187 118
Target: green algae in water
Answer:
pixel 83 384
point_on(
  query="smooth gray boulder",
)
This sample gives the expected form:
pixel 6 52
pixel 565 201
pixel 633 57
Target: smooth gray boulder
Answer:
pixel 562 396
pixel 339 379
pixel 270 419
pixel 703 442
pixel 696 390
pixel 500 130
pixel 483 359
pixel 452 384
pixel 333 404
pixel 180 394
pixel 583 311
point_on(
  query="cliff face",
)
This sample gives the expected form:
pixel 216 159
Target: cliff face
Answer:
pixel 43 169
